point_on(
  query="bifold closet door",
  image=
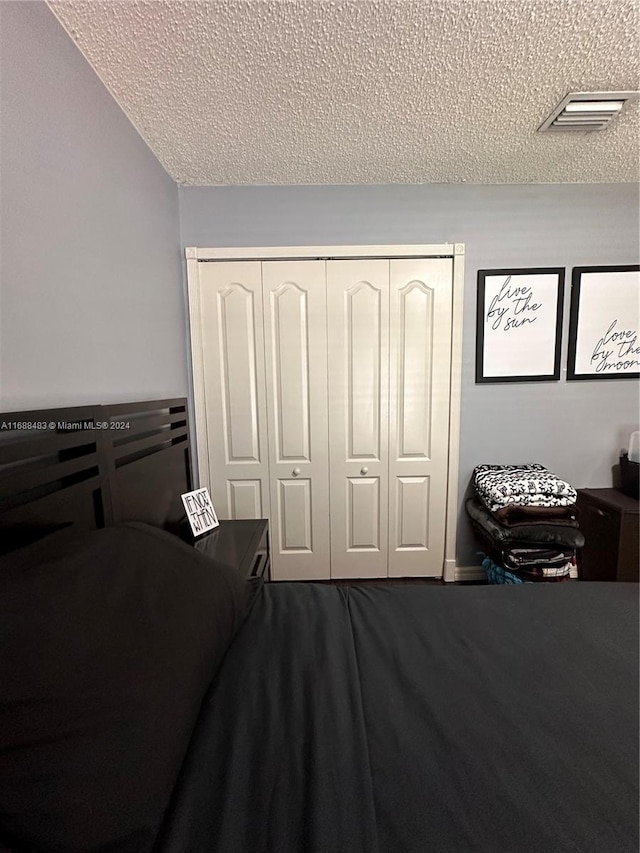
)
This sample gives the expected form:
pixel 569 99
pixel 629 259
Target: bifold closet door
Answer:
pixel 420 381
pixel 295 321
pixel 327 389
pixel 233 347
pixel 358 332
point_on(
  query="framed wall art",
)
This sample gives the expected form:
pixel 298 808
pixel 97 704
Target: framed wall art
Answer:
pixel 519 325
pixel 604 324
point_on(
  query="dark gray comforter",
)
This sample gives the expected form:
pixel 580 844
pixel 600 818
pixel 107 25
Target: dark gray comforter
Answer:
pixel 420 720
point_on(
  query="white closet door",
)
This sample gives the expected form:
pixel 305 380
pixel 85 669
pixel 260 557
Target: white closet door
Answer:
pixel 232 341
pixel 358 330
pixel 295 321
pixel 420 366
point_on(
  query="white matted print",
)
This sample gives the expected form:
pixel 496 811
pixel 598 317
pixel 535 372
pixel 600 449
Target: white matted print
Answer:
pixel 519 324
pixel 200 512
pixel 604 328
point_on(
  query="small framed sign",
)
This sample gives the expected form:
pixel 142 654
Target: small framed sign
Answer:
pixel 604 325
pixel 519 324
pixel 200 512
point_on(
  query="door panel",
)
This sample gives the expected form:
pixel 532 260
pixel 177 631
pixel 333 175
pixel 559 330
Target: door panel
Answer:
pixel 420 365
pixel 358 330
pixel 245 498
pixel 363 514
pixel 294 295
pixel 232 342
pixel 414 370
pixel 294 514
pixel 290 372
pixel 364 310
pixel 412 504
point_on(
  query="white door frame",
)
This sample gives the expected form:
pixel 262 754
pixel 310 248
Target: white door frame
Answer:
pixel 196 255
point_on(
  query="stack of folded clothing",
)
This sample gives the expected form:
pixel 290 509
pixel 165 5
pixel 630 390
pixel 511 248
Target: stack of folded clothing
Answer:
pixel 525 519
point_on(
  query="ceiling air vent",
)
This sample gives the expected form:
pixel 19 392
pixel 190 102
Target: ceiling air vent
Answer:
pixel 586 111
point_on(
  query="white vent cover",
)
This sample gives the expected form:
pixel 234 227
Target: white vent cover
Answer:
pixel 586 111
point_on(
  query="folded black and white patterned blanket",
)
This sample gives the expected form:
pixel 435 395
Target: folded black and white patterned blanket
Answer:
pixel 498 486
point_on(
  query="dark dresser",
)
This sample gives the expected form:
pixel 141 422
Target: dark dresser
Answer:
pixel 241 543
pixel 609 520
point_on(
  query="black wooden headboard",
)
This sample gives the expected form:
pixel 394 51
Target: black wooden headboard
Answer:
pixel 92 466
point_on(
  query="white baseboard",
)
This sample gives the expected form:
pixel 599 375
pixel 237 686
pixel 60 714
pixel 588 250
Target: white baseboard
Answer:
pixel 449 570
pixel 452 572
pixel 469 573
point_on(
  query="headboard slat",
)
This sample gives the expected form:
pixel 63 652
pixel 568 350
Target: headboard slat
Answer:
pixel 112 409
pixel 42 444
pixel 158 439
pixel 16 481
pixel 89 472
pixel 148 421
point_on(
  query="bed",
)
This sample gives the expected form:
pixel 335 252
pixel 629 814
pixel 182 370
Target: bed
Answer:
pixel 155 701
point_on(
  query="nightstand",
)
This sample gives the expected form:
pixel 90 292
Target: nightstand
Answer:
pixel 241 543
pixel 609 520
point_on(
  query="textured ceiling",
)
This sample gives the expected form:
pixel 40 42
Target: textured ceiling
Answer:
pixel 366 91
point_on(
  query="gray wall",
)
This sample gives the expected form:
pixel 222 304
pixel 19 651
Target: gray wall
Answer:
pixel 91 300
pixel 575 428
pixel 92 306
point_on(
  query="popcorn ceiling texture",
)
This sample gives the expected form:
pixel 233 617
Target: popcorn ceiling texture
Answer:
pixel 366 91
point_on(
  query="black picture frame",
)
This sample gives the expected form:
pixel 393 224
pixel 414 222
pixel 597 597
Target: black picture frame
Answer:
pixel 578 336
pixel 551 331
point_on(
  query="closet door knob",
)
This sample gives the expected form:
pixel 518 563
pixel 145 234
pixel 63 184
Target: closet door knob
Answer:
pixel 364 470
pixel 295 472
